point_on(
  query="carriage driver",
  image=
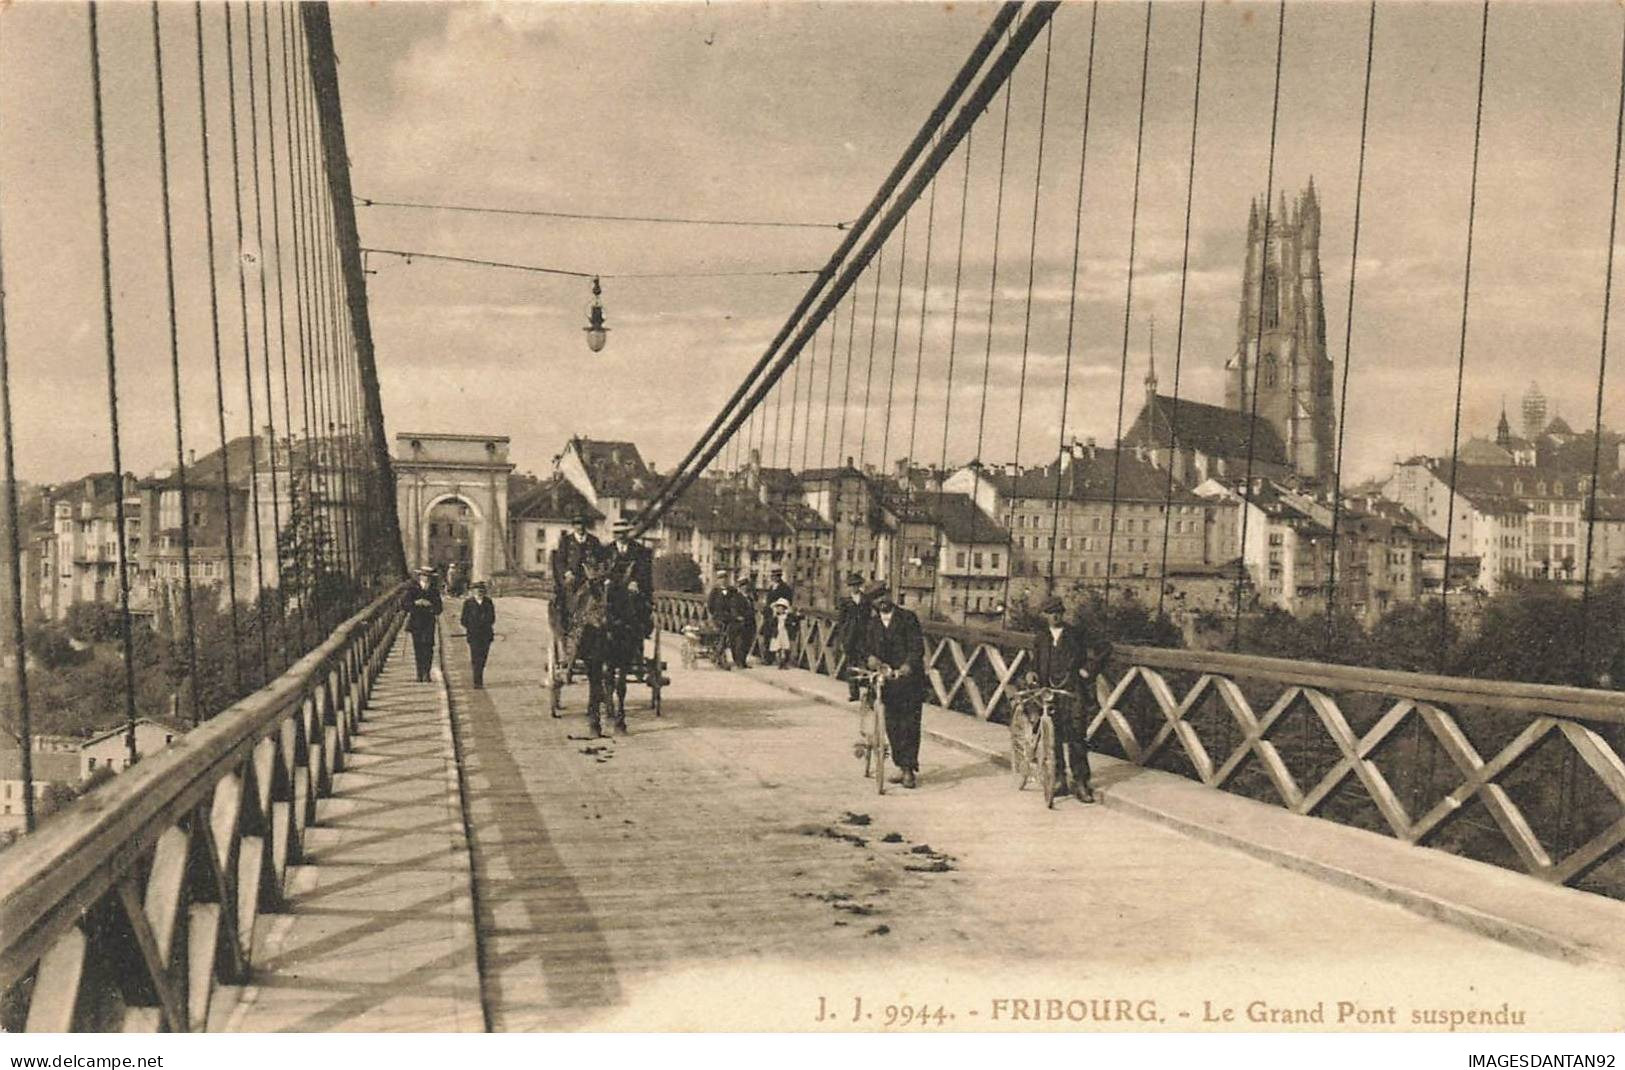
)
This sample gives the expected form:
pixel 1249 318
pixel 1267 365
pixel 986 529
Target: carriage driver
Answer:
pixel 1063 659
pixel 577 546
pixel 631 574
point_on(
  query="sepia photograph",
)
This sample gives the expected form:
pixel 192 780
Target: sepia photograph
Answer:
pixel 801 517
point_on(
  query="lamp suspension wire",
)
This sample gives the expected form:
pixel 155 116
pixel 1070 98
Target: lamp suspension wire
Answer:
pixel 896 334
pixel 264 674
pixel 99 130
pixel 869 368
pixel 993 275
pixel 188 614
pixel 1072 303
pixel 1179 332
pixel 14 569
pixel 1348 339
pixel 1258 350
pixel 1461 356
pixel 1032 265
pixel 953 344
pixel 1128 319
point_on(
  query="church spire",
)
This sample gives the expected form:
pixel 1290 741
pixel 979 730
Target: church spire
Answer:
pixel 1151 365
pixel 1503 429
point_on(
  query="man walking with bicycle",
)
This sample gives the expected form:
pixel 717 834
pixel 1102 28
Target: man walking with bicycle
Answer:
pixel 896 642
pixel 1062 659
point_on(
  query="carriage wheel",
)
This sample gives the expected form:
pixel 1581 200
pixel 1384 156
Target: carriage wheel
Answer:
pixel 555 697
pixel 1046 759
pixel 657 675
pixel 877 741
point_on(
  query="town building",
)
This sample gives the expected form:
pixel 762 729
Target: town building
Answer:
pixel 540 517
pixel 609 474
pixel 1490 527
pixel 49 769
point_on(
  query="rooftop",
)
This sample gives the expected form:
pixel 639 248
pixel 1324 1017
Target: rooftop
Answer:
pixel 1209 429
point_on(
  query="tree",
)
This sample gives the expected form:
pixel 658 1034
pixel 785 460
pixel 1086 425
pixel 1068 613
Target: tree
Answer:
pixel 50 645
pixel 94 622
pixel 677 572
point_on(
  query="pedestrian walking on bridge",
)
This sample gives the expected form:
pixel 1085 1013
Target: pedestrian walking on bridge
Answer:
pixel 479 620
pixel 896 642
pixel 422 605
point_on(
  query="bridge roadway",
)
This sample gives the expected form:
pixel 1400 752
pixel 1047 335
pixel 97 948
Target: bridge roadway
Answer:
pixel 724 866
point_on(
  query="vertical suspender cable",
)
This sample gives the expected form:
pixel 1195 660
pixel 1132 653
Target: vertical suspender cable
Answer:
pixel 1128 317
pixel 778 412
pixel 846 381
pixel 795 403
pixel 1179 334
pixel 1258 353
pixel 1071 308
pixel 265 328
pixel 925 306
pixel 1461 356
pixel 248 363
pixel 219 374
pixel 188 613
pixel 1032 264
pixel 869 369
pixel 993 275
pixel 14 567
pixel 1602 376
pixel 812 378
pixel 948 392
pixel 896 333
pixel 112 385
pixel 829 387
pixel 1348 338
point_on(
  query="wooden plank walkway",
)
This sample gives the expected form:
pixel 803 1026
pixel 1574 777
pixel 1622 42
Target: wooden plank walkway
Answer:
pixel 378 935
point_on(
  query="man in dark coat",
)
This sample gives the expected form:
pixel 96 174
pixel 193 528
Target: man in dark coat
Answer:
pixel 569 560
pixel 1062 658
pixel 896 642
pixel 632 577
pixel 422 606
pixel 776 589
pixel 479 622
pixel 732 612
pixel 852 629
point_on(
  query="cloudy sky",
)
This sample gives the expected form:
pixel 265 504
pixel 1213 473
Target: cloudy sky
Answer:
pixel 795 111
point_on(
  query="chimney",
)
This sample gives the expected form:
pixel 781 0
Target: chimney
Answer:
pixel 191 457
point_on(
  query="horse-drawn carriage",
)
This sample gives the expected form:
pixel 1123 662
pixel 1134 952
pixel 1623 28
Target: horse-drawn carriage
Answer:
pixel 598 631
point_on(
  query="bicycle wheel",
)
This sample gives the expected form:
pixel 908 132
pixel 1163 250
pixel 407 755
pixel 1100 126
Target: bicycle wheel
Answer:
pixel 1020 765
pixel 1046 759
pixel 877 737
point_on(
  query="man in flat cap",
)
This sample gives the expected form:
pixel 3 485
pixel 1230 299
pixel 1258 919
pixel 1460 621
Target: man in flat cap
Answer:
pixel 852 628
pixel 1062 658
pixel 479 620
pixel 896 642
pixel 733 613
pixel 422 606
pixel 576 548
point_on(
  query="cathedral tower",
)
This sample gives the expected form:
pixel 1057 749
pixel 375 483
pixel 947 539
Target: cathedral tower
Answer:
pixel 1281 335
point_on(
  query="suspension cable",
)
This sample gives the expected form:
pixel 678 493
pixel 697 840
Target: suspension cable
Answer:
pixel 98 126
pixel 869 369
pixel 14 568
pixel 925 304
pixel 1179 333
pixel 993 279
pixel 948 394
pixel 896 331
pixel 1128 316
pixel 1348 339
pixel 1032 263
pixel 189 617
pixel 1263 272
pixel 1602 375
pixel 1071 308
pixel 1461 356
pixel 846 380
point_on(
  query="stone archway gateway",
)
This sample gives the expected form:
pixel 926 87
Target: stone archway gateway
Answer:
pixel 452 499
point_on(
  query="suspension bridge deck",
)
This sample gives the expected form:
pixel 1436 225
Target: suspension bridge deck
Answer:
pixel 724 867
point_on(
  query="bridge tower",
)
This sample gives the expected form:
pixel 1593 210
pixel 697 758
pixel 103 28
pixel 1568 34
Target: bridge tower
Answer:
pixel 1282 324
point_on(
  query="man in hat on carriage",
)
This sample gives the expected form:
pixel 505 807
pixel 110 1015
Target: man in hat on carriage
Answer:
pixel 631 574
pixel 422 606
pixel 852 628
pixel 577 547
pixel 896 642
pixel 1063 659
pixel 479 620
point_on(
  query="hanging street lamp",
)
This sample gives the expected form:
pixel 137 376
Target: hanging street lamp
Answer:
pixel 597 333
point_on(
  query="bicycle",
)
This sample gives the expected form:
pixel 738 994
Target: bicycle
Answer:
pixel 1032 740
pixel 872 745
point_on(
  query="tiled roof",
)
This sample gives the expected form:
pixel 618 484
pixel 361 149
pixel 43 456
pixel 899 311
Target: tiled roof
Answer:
pixel 617 469
pixel 46 766
pixel 556 499
pixel 1092 478
pixel 962 520
pixel 1209 429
